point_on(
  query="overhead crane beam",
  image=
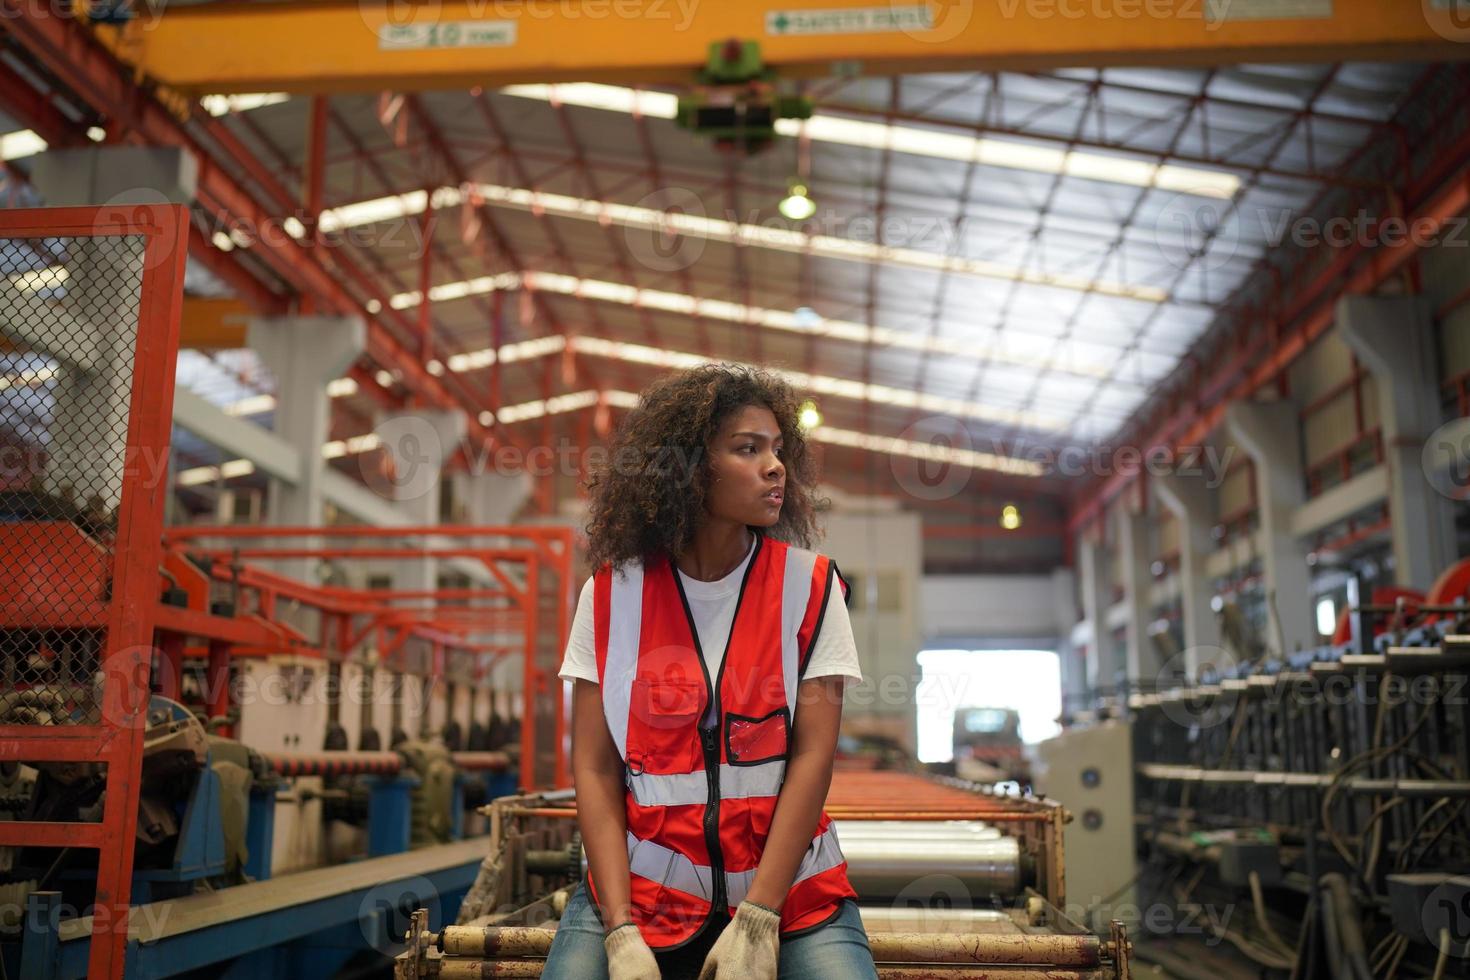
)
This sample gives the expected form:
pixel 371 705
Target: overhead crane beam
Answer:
pixel 458 44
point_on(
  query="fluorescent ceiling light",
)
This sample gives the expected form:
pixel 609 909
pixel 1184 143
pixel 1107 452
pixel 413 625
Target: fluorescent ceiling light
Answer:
pixel 220 105
pixel 927 451
pixel 461 289
pixel 591 95
pixel 824 385
pixel 391 208
pixel 796 241
pixel 551 406
pixel 509 353
pixel 791 322
pixel 1013 154
pixel 21 143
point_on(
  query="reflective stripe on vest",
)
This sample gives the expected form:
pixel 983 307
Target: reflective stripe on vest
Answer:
pixel 653 861
pixel 624 631
pixel 691 788
pixel 796 591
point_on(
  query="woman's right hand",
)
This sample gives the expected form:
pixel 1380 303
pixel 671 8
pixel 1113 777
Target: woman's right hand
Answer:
pixel 628 956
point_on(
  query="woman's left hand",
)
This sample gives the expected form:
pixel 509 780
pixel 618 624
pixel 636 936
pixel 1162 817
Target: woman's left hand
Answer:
pixel 748 949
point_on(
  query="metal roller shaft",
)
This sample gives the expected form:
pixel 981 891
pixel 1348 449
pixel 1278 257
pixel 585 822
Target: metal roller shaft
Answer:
pixel 480 969
pixel 518 943
pixel 889 829
pixel 884 867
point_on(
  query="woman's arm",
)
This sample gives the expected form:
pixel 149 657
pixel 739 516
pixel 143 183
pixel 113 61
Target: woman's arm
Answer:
pixel 597 773
pixel 808 775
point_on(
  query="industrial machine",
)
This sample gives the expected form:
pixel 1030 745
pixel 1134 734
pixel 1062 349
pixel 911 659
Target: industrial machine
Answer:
pixel 957 882
pixel 1326 794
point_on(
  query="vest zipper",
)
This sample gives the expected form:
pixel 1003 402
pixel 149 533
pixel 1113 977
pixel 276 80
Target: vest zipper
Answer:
pixel 709 739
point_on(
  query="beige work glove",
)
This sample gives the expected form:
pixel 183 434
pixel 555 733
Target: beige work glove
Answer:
pixel 748 949
pixel 628 956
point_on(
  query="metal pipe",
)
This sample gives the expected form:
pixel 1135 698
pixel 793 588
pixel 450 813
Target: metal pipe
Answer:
pixel 896 866
pixel 477 969
pixel 522 942
pixel 883 918
pixel 886 829
pixel 480 761
pixel 1028 950
pixel 1306 780
pixel 333 763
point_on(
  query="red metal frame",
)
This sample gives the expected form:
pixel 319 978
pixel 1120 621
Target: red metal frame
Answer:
pixel 350 616
pixel 128 613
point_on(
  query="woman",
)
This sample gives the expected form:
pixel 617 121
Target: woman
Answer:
pixel 708 665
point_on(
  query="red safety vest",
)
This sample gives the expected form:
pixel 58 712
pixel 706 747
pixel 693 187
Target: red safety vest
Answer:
pixel 700 801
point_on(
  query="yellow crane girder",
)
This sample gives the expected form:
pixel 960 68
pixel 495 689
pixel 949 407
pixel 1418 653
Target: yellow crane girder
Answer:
pixel 304 47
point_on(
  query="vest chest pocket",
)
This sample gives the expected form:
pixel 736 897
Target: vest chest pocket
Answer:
pixel 750 741
pixel 666 704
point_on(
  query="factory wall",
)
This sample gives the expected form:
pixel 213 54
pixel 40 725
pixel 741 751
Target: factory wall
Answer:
pixel 961 610
pixel 880 554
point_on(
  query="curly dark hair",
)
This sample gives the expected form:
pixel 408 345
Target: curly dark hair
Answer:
pixel 649 498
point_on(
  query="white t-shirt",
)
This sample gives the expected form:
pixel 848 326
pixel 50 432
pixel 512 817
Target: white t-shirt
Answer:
pixel 712 604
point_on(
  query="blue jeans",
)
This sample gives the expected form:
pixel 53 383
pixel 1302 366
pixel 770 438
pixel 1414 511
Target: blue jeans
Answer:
pixel 835 951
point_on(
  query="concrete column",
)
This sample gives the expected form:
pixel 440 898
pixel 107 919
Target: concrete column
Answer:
pixel 1092 565
pixel 1073 668
pixel 1394 337
pixel 91 334
pixel 419 443
pixel 1271 433
pixel 1188 499
pixel 491 498
pixel 304 353
pixel 1142 663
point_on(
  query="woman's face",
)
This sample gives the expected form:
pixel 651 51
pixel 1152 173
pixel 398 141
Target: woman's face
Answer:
pixel 747 469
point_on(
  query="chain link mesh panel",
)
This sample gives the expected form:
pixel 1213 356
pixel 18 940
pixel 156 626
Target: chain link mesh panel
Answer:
pixel 68 330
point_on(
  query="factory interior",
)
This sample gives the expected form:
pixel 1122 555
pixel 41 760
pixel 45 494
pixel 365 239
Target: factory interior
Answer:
pixel 1130 349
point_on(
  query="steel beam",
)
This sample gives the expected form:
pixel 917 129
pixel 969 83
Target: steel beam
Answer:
pixel 239 47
